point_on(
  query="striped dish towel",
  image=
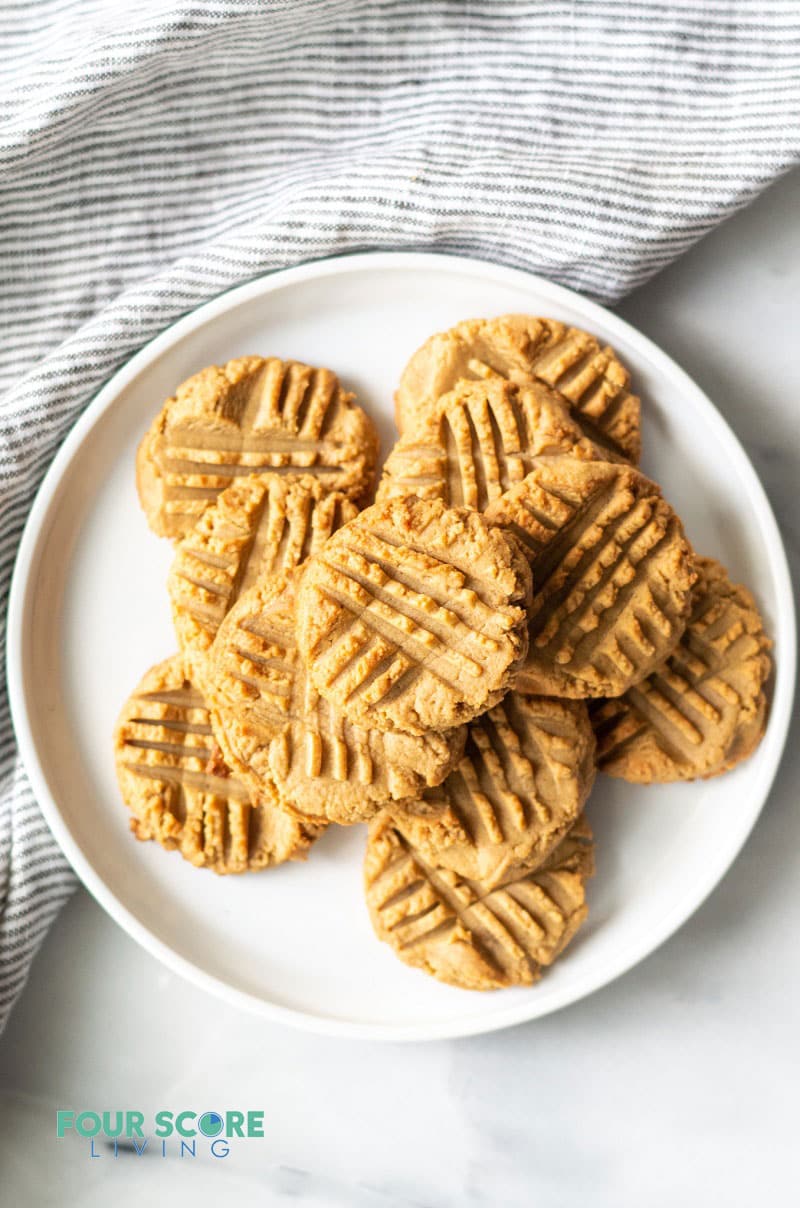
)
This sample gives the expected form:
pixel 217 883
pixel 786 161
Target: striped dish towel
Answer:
pixel 155 153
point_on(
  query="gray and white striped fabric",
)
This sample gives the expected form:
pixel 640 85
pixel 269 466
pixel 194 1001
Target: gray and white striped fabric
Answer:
pixel 155 153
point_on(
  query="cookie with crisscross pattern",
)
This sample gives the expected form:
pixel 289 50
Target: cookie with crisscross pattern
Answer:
pixel 260 525
pixel 526 772
pixel 462 932
pixel 478 440
pixel 703 710
pixel 180 790
pixel 522 348
pixel 282 736
pixel 412 616
pixel 612 574
pixel 251 415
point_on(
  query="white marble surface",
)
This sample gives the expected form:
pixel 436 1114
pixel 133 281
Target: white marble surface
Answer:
pixel 674 1084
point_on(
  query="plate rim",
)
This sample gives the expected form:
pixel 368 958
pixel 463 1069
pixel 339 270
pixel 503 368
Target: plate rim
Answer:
pixel 35 530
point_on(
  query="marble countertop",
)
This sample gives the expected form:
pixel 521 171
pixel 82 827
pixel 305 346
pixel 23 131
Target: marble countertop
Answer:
pixel 673 1084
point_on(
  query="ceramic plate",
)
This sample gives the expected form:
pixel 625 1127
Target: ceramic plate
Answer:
pixel 89 614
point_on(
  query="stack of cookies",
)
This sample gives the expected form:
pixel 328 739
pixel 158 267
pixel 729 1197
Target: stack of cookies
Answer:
pixel 450 663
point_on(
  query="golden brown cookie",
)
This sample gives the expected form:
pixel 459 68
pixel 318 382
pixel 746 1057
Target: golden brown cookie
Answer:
pixel 459 931
pixel 524 778
pixel 260 525
pixel 412 616
pixel 252 415
pixel 180 790
pixel 704 709
pixel 612 575
pixel 479 439
pixel 522 348
pixel 279 734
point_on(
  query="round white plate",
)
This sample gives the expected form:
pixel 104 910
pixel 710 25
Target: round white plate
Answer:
pixel 89 615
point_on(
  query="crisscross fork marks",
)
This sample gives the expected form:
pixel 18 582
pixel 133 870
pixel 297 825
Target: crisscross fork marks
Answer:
pixel 499 798
pixel 572 362
pixel 180 790
pixel 685 700
pixel 526 771
pixel 415 643
pixel 265 525
pixel 617 559
pixel 578 368
pixel 602 645
pixel 402 608
pixel 421 574
pixel 179 741
pixel 277 724
pixel 258 417
pixel 593 380
pixel 374 608
pixel 621 725
pixel 702 710
pixel 512 756
pixel 562 581
pixel 569 534
pixel 481 442
pixel 512 929
pixel 431 901
pixel 470 577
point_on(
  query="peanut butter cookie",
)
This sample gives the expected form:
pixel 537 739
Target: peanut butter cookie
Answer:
pixel 249 416
pixel 612 574
pixel 462 933
pixel 260 525
pixel 525 775
pixel 522 349
pixel 280 735
pixel 412 616
pixel 180 790
pixel 479 439
pixel 704 709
